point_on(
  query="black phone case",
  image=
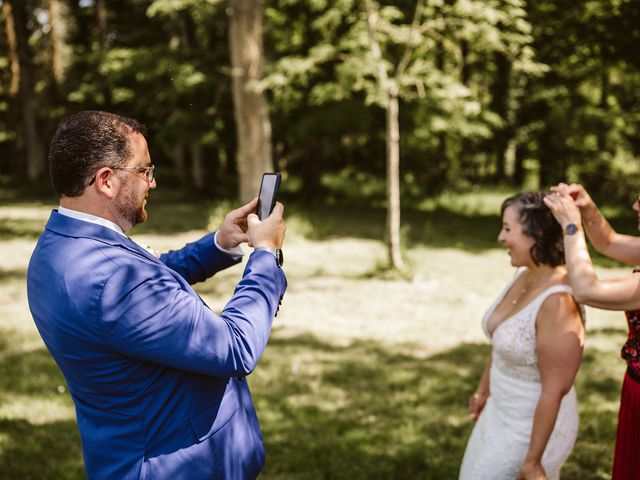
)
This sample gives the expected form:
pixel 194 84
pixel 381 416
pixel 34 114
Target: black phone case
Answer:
pixel 274 195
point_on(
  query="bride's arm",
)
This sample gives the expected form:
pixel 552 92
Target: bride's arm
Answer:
pixel 479 397
pixel 559 343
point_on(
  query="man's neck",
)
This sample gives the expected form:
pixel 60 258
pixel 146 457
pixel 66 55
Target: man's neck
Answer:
pixel 91 207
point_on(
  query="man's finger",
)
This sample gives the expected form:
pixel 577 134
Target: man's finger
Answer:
pixel 278 209
pixel 247 208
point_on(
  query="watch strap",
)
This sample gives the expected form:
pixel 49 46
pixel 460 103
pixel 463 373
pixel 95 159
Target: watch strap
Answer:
pixel 276 252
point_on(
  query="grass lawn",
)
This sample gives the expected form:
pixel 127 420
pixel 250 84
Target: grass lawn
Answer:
pixel 365 377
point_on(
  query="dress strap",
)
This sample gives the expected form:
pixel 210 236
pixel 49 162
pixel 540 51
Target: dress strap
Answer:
pixel 557 289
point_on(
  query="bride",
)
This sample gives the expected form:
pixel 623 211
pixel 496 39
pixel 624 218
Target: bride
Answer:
pixel 525 405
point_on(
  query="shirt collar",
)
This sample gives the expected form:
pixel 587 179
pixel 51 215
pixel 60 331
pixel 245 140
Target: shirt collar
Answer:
pixel 87 217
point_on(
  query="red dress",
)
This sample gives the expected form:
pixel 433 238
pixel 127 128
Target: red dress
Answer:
pixel 626 461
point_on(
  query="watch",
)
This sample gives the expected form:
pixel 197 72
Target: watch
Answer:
pixel 276 252
pixel 571 228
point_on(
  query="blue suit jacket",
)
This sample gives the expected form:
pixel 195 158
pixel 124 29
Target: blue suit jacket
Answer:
pixel 157 378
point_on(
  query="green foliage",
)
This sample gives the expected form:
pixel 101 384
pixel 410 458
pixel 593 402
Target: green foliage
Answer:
pixel 170 7
pixel 444 107
pixel 554 84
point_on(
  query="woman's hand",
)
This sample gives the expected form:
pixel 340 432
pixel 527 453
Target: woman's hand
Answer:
pixel 476 404
pixel 531 471
pixel 563 208
pixel 579 194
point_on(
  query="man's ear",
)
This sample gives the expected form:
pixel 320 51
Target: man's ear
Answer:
pixel 105 184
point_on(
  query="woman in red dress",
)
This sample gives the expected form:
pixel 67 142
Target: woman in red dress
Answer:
pixel 573 208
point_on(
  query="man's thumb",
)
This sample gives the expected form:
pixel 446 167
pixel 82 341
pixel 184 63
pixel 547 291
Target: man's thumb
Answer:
pixel 253 220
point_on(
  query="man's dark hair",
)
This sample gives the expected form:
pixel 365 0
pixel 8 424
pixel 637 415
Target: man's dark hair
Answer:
pixel 538 223
pixel 86 142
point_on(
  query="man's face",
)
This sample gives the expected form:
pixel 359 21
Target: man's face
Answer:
pixel 132 197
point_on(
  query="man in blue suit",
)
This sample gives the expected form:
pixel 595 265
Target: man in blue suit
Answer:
pixel 157 378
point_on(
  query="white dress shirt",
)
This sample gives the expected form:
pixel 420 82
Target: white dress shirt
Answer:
pixel 235 252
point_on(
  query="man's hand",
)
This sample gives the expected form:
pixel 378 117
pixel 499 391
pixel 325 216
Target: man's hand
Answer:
pixel 268 232
pixel 233 231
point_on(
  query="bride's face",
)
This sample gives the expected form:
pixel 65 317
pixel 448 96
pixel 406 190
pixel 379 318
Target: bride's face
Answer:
pixel 518 244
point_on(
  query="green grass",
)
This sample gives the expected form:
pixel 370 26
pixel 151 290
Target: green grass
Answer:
pixel 364 377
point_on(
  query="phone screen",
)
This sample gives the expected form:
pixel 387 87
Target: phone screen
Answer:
pixel 268 193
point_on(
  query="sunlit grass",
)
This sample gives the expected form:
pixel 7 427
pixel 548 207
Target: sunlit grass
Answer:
pixel 365 377
pixel 38 411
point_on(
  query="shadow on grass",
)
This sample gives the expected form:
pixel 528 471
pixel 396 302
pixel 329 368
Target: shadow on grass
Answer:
pixel 365 411
pixel 7 276
pixel 20 228
pixel 49 449
pixel 32 373
pixel 599 384
pixel 328 411
pixel 34 452
pixel 609 330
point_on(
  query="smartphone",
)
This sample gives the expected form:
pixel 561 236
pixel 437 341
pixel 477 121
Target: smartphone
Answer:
pixel 268 194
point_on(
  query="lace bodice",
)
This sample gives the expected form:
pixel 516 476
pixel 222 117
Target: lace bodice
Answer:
pixel 514 340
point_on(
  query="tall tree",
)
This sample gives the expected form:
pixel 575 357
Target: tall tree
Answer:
pixel 253 127
pixel 14 62
pixel 33 147
pixel 390 88
pixel 410 52
pixel 58 34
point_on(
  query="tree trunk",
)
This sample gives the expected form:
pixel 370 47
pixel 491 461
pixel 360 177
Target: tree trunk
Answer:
pixel 501 104
pixel 604 147
pixel 101 20
pixel 14 62
pixel 518 170
pixel 311 171
pixel 392 138
pixel 58 33
pixel 393 180
pixel 180 163
pixel 253 128
pixel 197 167
pixel 103 47
pixel 34 149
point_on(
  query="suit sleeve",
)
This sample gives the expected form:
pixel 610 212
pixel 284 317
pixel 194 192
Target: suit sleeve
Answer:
pixel 145 314
pixel 199 260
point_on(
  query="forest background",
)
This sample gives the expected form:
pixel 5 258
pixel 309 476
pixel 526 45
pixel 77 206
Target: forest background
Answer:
pixel 436 109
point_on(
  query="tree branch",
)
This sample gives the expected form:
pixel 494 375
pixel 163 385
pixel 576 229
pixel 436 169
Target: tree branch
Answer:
pixel 376 53
pixel 404 61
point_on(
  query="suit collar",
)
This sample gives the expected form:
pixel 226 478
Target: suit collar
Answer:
pixel 75 228
pixel 90 218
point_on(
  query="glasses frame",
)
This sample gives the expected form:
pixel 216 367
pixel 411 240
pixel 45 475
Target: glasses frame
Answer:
pixel 149 172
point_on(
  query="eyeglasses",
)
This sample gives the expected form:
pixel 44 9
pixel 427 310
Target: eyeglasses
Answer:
pixel 148 171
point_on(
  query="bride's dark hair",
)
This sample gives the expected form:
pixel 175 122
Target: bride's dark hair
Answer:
pixel 539 224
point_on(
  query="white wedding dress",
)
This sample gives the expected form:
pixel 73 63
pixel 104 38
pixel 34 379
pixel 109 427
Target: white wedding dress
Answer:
pixel 500 438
